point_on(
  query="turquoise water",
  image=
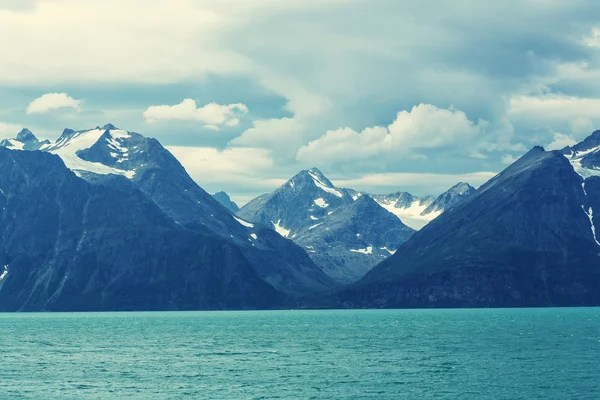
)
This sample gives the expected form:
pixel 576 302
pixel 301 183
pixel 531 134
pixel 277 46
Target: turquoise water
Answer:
pixel 387 354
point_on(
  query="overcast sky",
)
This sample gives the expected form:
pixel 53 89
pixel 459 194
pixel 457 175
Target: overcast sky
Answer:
pixel 381 95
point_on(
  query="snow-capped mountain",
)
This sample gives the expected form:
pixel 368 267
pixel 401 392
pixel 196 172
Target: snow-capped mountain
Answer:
pixel 25 140
pixel 585 156
pixel 527 237
pixel 97 155
pixel 345 235
pixel 68 244
pixel 226 201
pixel 416 212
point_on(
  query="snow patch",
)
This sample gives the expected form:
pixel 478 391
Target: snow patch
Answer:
pixel 314 226
pixel 4 272
pixel 392 252
pixel 575 160
pixel 15 144
pixel 280 229
pixel 411 215
pixel 254 236
pixel 67 150
pixel 368 250
pixel 590 215
pixel 321 203
pixel 314 218
pixel 243 223
pixel 323 186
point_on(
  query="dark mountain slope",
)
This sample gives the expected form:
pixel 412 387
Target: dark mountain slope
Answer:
pixel 523 239
pixel 68 244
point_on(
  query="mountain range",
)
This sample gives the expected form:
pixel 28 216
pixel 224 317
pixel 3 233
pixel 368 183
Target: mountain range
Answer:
pixel 107 219
pixel 344 231
pixel 525 238
pixel 416 212
pixel 110 160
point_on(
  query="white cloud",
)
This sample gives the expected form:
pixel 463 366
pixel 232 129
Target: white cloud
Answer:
pixel 214 169
pixel 233 122
pixel 8 130
pixel 271 132
pixel 423 127
pixel 51 101
pixel 552 107
pixel 211 114
pixel 211 128
pixel 560 141
pixel 508 159
pixel 422 182
pixel 594 39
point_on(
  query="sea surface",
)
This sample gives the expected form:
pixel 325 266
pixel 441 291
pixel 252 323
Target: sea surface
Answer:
pixel 362 354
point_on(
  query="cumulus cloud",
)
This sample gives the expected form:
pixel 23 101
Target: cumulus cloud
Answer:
pixel 51 101
pixel 211 114
pixel 423 127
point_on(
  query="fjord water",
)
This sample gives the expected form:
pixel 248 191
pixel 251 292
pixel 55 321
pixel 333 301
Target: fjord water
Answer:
pixel 354 354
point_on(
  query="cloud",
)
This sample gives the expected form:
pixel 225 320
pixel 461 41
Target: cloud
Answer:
pixel 423 127
pixel 270 132
pixel 211 114
pixel 508 159
pixel 593 40
pixel 419 182
pixel 553 106
pixel 52 101
pixel 8 130
pixel 560 141
pixel 246 169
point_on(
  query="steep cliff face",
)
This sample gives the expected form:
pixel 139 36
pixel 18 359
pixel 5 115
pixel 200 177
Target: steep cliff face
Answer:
pixel 525 238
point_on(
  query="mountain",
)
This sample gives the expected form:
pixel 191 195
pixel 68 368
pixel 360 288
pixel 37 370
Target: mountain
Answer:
pixel 226 201
pixel 25 140
pixel 97 155
pixel 525 238
pixel 416 212
pixel 449 198
pixel 344 235
pixel 585 156
pixel 71 245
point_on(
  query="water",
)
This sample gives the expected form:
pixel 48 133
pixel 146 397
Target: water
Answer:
pixel 387 354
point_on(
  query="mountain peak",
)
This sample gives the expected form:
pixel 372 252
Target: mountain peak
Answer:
pixel 109 127
pixel 25 136
pixel 226 201
pixel 461 188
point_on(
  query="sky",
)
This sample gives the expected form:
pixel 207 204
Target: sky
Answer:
pixel 380 95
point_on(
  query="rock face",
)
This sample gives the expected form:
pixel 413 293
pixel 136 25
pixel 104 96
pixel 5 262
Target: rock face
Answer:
pixel 99 156
pixel 68 244
pixel 344 235
pixel 226 201
pixel 525 238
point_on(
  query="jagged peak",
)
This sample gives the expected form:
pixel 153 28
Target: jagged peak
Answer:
pixel 461 188
pixel 109 127
pixel 25 135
